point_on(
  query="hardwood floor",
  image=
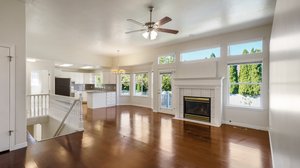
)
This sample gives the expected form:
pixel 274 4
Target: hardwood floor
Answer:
pixel 134 137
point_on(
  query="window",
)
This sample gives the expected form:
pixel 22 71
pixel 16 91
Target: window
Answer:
pixel 201 54
pixel 98 80
pixel 166 59
pixel 246 48
pixel 245 81
pixel 141 84
pixel 125 84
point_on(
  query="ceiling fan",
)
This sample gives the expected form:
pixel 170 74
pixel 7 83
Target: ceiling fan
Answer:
pixel 151 28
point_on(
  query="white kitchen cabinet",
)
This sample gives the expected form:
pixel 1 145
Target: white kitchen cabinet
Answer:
pixel 109 78
pixel 89 78
pixel 77 77
pixel 113 78
pixel 110 99
pixel 98 99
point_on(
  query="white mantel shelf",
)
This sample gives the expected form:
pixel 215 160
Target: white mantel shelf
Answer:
pixel 210 82
pixel 200 87
pixel 197 78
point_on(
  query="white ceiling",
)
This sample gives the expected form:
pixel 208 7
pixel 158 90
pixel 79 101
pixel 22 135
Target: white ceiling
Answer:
pixel 97 27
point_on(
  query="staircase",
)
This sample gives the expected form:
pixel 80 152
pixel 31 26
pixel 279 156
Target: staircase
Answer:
pixel 49 115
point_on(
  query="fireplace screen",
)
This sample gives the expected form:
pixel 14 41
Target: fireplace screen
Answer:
pixel 197 108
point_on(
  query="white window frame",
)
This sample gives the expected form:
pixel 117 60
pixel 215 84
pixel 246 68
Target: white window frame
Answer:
pixel 134 84
pixel 129 84
pixel 199 49
pixel 261 85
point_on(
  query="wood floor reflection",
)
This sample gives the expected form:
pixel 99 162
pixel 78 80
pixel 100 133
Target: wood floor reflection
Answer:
pixel 135 137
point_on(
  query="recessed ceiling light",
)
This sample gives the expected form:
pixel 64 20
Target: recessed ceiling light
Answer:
pixel 66 65
pixel 87 67
pixel 30 60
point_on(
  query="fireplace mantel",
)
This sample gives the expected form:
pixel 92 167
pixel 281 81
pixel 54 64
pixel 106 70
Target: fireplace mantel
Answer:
pixel 201 87
pixel 210 82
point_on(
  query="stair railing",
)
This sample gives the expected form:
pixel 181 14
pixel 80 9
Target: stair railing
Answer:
pixel 62 123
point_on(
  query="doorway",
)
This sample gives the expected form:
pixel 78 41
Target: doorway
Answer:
pixel 40 82
pixel 165 92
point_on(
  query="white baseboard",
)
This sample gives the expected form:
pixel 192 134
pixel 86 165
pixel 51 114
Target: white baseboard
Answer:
pixel 19 146
pixel 141 106
pixel 138 105
pixel 198 122
pixel 123 104
pixel 271 147
pixel 246 125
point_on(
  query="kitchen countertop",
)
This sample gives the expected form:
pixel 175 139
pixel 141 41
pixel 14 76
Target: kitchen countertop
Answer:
pixel 99 91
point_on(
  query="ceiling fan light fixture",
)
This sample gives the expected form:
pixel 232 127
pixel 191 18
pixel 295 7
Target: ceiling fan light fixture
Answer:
pixel 150 29
pixel 150 35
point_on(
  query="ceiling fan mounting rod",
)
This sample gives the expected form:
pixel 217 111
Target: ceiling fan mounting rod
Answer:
pixel 151 9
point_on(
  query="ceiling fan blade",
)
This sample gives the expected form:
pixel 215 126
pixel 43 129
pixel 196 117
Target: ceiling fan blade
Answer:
pixel 163 21
pixel 167 30
pixel 136 31
pixel 135 22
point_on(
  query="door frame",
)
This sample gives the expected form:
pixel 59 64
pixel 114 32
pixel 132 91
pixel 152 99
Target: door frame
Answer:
pixel 163 110
pixel 12 94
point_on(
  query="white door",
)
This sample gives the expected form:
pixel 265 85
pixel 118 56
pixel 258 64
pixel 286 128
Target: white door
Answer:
pixel 4 99
pixel 165 92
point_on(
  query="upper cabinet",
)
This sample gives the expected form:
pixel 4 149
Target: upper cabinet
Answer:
pixel 77 78
pixel 89 78
pixel 109 78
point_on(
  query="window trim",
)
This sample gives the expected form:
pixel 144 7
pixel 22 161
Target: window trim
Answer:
pixel 134 93
pixel 261 107
pixel 199 49
pixel 129 85
pixel 246 41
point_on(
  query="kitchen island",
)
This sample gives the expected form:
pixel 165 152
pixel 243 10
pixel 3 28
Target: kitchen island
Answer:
pixel 100 99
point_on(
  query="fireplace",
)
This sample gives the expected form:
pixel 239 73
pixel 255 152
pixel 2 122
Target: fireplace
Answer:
pixel 197 108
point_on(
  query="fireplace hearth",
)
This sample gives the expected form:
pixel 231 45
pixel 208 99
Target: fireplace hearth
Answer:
pixel 197 108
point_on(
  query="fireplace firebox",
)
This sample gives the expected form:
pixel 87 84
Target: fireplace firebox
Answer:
pixel 197 108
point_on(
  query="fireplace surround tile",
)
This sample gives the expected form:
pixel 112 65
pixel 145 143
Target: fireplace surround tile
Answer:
pixel 201 87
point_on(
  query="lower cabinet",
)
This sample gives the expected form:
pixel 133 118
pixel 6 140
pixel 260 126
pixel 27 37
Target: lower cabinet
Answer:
pixel 96 99
pixel 110 99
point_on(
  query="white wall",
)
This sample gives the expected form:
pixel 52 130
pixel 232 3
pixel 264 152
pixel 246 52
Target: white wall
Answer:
pixel 40 65
pixel 64 55
pixel 285 85
pixel 255 118
pixel 143 101
pixel 12 31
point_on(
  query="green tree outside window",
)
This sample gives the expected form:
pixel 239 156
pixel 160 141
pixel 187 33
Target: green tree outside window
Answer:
pixel 166 59
pixel 141 84
pixel 241 76
pixel 125 84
